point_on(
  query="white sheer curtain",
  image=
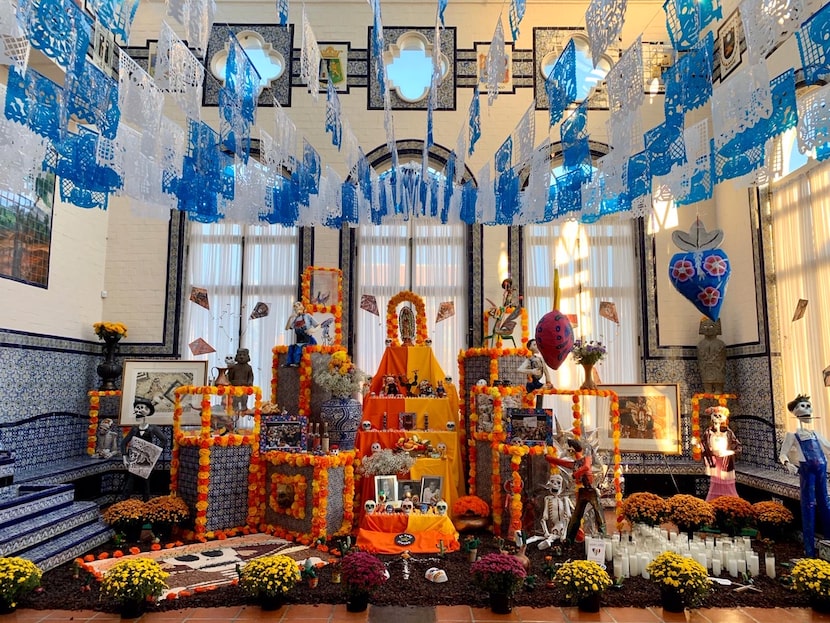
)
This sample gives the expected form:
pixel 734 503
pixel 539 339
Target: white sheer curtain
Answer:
pixel 240 266
pixel 426 257
pixel 801 247
pixel 596 263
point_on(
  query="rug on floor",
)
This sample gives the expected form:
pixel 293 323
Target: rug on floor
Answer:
pixel 200 565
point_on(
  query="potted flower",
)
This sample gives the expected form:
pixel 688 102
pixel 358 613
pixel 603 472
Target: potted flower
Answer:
pixel 269 579
pixel 549 569
pixel 342 413
pixel 501 576
pixel 644 507
pixel 583 582
pixel 126 517
pixel 772 518
pixel 683 582
pixel 732 515
pixel 811 577
pixel 110 369
pixel 470 545
pixel 470 512
pixel 164 512
pixel 588 354
pixel 362 574
pixel 309 573
pixel 689 513
pixel 18 576
pixel 131 583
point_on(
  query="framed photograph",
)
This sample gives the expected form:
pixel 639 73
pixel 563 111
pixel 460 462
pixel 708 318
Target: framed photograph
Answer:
pixel 321 287
pixel 409 488
pixel 386 486
pixel 649 418
pixel 531 427
pixel 432 489
pixel 728 44
pixel 156 381
pixel 284 432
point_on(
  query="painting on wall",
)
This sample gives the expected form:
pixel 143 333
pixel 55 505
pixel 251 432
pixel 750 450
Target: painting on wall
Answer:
pixel 26 233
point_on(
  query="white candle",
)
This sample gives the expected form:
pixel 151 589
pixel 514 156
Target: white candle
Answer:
pixel 625 569
pixel 753 564
pixel 634 564
pixel 716 566
pixel 609 549
pixel 618 567
pixel 769 563
pixel 732 566
pixel 741 566
pixel 645 559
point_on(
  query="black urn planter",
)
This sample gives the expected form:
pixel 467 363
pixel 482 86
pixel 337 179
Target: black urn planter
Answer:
pixel 110 370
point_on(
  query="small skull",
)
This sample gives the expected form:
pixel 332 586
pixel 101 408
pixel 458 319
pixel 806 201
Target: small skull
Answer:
pixel 442 448
pixel 481 383
pixel 407 507
pixel 450 426
pixel 554 484
pixel 441 507
pixel 334 450
pixel 369 506
pixel 390 509
pixel 376 447
pixel 366 425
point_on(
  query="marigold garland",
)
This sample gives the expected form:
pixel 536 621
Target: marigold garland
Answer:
pixel 696 398
pixel 94 411
pixel 298 484
pixel 392 329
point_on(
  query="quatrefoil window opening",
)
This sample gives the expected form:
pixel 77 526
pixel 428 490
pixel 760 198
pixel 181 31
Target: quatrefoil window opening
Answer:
pixel 587 76
pixel 409 66
pixel 268 62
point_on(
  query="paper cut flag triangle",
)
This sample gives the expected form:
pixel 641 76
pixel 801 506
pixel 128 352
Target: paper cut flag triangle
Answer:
pixel 260 310
pixel 370 304
pixel 445 310
pixel 607 309
pixel 200 347
pixel 200 297
pixel 800 308
pixel 826 374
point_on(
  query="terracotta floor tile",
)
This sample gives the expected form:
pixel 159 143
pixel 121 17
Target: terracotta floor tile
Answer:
pixel 549 614
pixel 228 613
pixel 77 615
pixel 574 614
pixel 453 613
pixel 633 615
pixel 309 611
pixel 340 614
pixel 171 616
pixel 676 617
pixel 255 613
pixel 29 616
pixel 485 614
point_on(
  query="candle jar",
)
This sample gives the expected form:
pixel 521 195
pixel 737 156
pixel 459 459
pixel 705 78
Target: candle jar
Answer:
pixel 769 565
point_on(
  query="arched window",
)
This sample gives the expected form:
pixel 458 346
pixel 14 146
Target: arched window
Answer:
pixel 587 76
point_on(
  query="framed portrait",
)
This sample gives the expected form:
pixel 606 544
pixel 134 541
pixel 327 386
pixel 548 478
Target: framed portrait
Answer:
pixel 531 427
pixel 388 486
pixel 409 488
pixel 649 418
pixel 728 44
pixel 156 381
pixel 321 287
pixel 288 433
pixel 432 489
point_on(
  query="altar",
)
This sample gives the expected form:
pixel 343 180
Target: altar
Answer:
pixel 418 534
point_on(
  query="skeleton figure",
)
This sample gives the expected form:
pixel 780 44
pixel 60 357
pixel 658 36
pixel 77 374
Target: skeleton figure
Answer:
pixel 557 513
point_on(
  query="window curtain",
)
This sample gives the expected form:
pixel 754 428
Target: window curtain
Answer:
pixel 240 266
pixel 596 263
pixel 801 235
pixel 426 257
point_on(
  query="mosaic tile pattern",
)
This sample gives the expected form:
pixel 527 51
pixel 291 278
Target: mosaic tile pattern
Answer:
pixel 228 491
pixel 46 439
pixel 187 476
pixel 32 531
pixel 334 509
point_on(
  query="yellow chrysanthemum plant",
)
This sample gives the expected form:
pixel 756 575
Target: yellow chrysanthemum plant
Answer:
pixel 110 329
pixel 18 576
pixel 269 576
pixel 811 577
pixel 134 580
pixel 580 579
pixel 683 576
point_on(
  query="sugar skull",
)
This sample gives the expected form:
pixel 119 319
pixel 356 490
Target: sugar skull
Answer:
pixel 450 426
pixel 441 507
pixel 407 506
pixel 442 448
pixel 334 450
pixel 554 484
pixel 369 506
pixel 376 447
pixel 366 425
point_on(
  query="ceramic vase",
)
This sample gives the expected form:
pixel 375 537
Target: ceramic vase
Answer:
pixel 110 369
pixel 343 416
pixel 588 383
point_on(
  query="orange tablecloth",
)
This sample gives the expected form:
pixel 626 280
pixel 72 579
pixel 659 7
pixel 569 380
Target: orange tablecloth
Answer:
pixel 377 533
pixel 439 410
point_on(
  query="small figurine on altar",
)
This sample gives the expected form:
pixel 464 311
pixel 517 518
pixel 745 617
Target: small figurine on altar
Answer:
pixel 586 493
pixel 720 447
pixel 390 386
pixel 711 356
pixel 557 513
pixel 108 440
pixel 425 389
pixel 440 390
pixel 508 297
pixel 369 506
pixel 808 449
pixel 301 323
pixel 241 373
pixel 535 368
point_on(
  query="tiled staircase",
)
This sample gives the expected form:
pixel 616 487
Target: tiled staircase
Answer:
pixel 44 524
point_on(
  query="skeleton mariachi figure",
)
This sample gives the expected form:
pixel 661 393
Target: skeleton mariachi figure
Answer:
pixel 808 449
pixel 557 512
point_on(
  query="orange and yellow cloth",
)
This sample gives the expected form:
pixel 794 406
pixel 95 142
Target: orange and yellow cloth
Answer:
pixel 378 532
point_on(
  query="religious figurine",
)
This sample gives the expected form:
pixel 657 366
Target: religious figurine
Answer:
pixel 440 390
pixel 534 367
pixel 301 323
pixel 586 493
pixel 808 450
pixel 425 389
pixel 135 458
pixel 390 386
pixel 720 447
pixel 241 373
pixel 508 293
pixel 711 356
pixel 557 512
pixel 108 440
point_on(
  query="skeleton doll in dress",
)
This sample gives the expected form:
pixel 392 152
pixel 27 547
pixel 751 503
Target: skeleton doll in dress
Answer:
pixel 720 447
pixel 557 512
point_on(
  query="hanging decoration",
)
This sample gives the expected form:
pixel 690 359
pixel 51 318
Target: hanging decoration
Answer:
pixel 686 19
pixel 739 104
pixel 625 79
pixel 310 59
pixel 665 148
pixel 814 120
pixel 573 132
pixel 92 97
pixel 604 21
pixel 377 47
pixel 560 85
pixel 43 114
pixel 814 46
pixel 139 99
pixel 15 45
pixel 237 101
pixel 333 124
pixel 282 12
pixel 767 23
pixel 58 28
pixel 474 122
pixel 115 15
pixel 689 81
pixel 638 183
pixel 197 18
pixel 701 271
pixel 555 338
pixel 21 154
pixel 515 16
pixel 178 72
pixel 693 181
pixel 496 63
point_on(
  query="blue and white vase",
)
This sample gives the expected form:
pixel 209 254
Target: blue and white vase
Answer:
pixel 343 416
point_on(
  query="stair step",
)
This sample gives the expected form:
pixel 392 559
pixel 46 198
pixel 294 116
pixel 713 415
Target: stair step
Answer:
pixel 68 546
pixel 21 501
pixel 36 529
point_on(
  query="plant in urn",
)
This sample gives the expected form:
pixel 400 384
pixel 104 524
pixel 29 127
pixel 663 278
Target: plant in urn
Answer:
pixel 342 379
pixel 588 354
pixel 110 370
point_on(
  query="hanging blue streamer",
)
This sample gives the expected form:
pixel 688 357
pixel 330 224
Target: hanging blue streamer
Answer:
pixel 469 196
pixel 111 14
pixel 683 22
pixel 282 12
pixel 442 6
pixel 639 175
pixel 701 186
pixel 507 197
pixel 36 102
pixel 364 177
pixel 814 46
pixel 311 169
pixel 560 85
pixel 334 124
pixel 569 191
pixel 727 168
pixel 576 151
pixel 504 156
pixel 689 81
pixel 92 97
pixel 515 16
pixel 207 174
pixel 350 209
pixel 58 28
pixel 238 100
pixel 474 122
pixel 665 147
pixel 83 182
pixel 377 47
pixel 823 152
pixel 449 176
pixel 433 196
